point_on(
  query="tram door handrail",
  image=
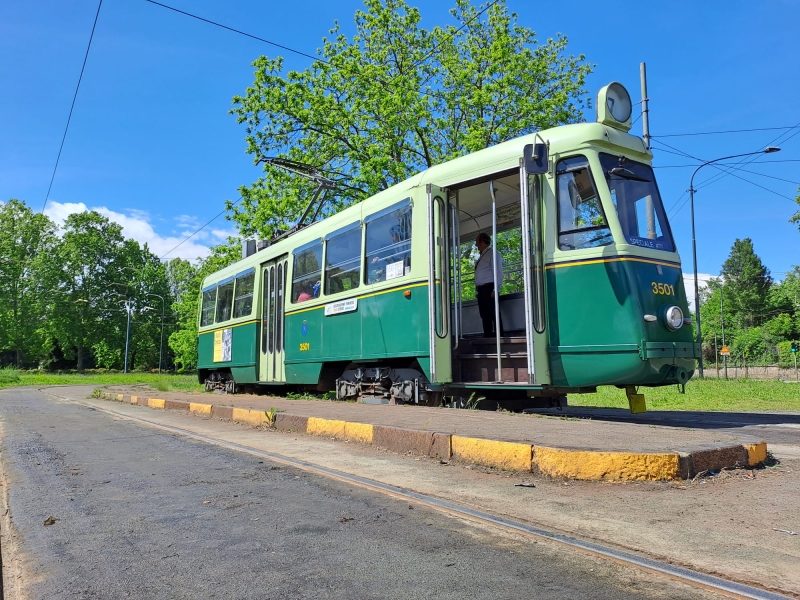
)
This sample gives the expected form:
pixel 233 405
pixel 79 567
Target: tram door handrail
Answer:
pixel 526 269
pixel 496 284
pixel 456 279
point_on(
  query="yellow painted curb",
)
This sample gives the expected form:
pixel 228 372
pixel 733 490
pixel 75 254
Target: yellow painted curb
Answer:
pixel 358 432
pixel 756 453
pixel 581 464
pixel 506 455
pixel 326 427
pixel 156 402
pixel 120 397
pixel 200 409
pixel 245 415
pixel 134 399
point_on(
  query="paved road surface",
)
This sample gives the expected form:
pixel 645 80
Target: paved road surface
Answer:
pixel 146 514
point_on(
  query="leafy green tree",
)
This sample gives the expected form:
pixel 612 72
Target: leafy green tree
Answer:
pixel 26 244
pixel 796 217
pixel 86 267
pixel 183 342
pixel 396 99
pixel 747 282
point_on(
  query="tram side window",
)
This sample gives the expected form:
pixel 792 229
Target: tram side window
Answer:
pixel 224 301
pixel 243 302
pixel 388 249
pixel 343 260
pixel 207 309
pixel 581 221
pixel 306 272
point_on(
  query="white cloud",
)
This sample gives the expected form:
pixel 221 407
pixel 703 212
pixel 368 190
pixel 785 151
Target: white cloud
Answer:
pixel 688 283
pixel 136 224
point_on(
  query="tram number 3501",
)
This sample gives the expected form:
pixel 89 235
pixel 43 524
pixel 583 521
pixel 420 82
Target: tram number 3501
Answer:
pixel 305 346
pixel 663 289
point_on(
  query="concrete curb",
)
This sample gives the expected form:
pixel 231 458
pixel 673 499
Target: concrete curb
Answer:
pixel 552 462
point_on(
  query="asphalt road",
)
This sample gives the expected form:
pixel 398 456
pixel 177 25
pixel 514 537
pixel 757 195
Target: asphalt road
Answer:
pixel 147 514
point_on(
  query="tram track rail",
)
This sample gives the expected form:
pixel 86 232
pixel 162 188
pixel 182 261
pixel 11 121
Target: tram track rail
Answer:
pixel 685 575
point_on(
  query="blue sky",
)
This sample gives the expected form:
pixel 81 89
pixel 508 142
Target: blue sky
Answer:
pixel 152 145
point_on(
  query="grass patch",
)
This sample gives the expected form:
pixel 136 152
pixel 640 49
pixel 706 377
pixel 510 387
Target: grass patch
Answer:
pixel 163 383
pixel 9 376
pixel 733 395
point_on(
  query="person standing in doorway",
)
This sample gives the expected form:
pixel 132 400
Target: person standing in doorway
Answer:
pixel 485 284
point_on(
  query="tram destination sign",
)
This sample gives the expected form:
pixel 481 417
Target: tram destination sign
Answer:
pixel 344 306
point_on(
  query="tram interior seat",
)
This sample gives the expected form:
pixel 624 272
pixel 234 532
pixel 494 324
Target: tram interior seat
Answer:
pixel 512 311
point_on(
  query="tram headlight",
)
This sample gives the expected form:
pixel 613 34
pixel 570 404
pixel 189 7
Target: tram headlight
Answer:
pixel 673 317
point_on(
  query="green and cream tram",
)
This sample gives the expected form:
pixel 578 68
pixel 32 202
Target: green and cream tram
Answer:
pixel 377 303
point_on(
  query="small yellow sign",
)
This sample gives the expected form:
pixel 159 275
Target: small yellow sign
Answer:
pixel 725 351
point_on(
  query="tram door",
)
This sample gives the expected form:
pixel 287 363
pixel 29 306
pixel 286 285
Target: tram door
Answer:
pixel 439 284
pixel 533 165
pixel 271 368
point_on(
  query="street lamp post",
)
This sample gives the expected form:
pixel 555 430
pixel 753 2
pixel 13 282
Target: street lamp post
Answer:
pixel 767 150
pixel 161 345
pixel 129 310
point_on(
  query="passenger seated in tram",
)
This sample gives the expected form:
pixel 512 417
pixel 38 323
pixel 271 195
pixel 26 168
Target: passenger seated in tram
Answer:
pixel 306 292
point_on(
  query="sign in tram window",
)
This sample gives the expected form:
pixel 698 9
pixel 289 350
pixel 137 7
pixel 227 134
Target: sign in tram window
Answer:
pixel 243 303
pixel 581 221
pixel 307 272
pixel 638 203
pixel 209 302
pixel 224 300
pixel 388 248
pixel 343 259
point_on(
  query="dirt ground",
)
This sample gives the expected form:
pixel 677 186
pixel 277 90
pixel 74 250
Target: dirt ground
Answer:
pixel 742 524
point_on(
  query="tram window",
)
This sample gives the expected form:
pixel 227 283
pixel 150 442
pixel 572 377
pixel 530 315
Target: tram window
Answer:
pixel 638 203
pixel 581 221
pixel 343 259
pixel 243 302
pixel 388 248
pixel 307 271
pixel 224 300
pixel 209 302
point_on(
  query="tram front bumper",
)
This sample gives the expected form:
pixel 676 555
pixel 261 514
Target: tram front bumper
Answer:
pixel 669 350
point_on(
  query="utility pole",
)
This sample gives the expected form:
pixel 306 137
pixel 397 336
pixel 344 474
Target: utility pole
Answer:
pixel 161 345
pixel 128 309
pixel 722 321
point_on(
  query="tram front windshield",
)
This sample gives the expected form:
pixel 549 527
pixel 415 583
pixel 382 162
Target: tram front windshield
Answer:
pixel 638 203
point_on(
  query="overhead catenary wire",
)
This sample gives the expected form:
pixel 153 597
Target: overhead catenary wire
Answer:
pixel 72 107
pixel 723 132
pixel 190 236
pixel 747 160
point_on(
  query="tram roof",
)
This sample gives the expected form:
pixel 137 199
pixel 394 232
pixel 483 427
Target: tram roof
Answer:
pixel 483 163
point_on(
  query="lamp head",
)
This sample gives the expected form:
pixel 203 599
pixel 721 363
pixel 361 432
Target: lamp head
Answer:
pixel 771 149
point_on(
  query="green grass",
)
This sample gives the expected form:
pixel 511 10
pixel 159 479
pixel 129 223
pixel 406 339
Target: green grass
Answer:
pixel 734 395
pixel 163 383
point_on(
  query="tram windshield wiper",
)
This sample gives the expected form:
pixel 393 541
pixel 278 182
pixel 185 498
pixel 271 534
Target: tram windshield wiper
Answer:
pixel 624 173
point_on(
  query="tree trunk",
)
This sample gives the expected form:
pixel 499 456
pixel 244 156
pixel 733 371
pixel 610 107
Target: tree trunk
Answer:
pixel 80 358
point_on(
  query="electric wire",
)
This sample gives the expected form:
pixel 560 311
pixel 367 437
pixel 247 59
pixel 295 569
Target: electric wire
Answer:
pixel 673 211
pixel 72 107
pixel 761 162
pixel 722 132
pixel 749 159
pixel 190 236
pixel 244 33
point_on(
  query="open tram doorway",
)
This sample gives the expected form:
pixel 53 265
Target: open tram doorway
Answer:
pixel 508 207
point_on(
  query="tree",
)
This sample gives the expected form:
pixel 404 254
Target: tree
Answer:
pixel 796 217
pixel 88 264
pixel 26 243
pixel 396 99
pixel 747 282
pixel 183 342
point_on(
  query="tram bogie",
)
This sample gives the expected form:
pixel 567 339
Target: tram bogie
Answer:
pixel 378 302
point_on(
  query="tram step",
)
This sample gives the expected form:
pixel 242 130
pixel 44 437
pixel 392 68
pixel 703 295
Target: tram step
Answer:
pixel 484 368
pixel 492 355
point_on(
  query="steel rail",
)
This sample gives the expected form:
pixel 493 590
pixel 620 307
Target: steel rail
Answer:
pixel 689 576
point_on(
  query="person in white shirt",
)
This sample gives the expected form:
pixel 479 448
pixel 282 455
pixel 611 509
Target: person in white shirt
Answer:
pixel 485 285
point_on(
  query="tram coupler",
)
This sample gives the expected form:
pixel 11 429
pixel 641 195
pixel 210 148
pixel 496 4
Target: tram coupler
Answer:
pixel 635 401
